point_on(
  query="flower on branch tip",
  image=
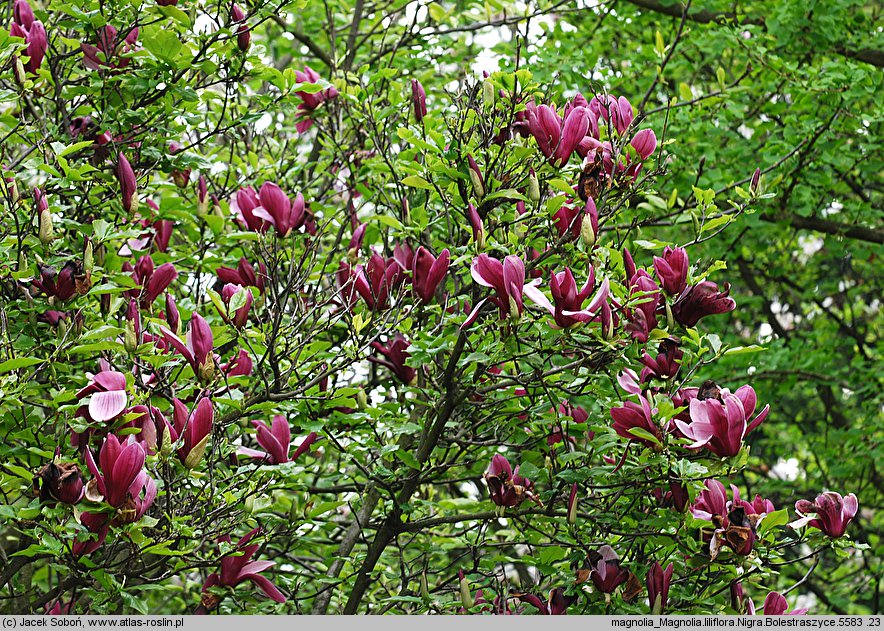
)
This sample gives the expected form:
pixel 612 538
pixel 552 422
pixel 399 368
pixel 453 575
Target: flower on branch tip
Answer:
pixel 311 100
pixel 153 281
pixel 109 51
pixel 244 274
pixel 120 480
pixel 658 587
pixel 645 143
pixel 243 34
pixel 24 25
pixel 567 306
pixel 672 270
pixel 556 605
pixel 278 210
pixel 395 356
pixel 734 521
pixel 237 301
pixel 236 568
pixel 192 429
pixel 428 272
pixel 196 348
pixel 605 570
pixel 276 440
pixel 128 183
pixel 507 278
pixel 418 100
pixel 701 300
pixel 832 512
pixel 107 396
pixel 775 605
pixel 59 482
pixel 720 420
pixel 506 487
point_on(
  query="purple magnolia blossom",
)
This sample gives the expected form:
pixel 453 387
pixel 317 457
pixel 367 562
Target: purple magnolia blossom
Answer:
pixel 646 293
pixel 373 282
pixel 507 487
pixel 109 50
pixel 635 419
pixel 32 31
pixel 418 100
pixel 120 480
pixel 59 482
pixel 507 278
pixel 395 356
pixel 237 568
pixel 97 524
pixel 701 300
pixel 573 220
pixel 276 440
pixel 556 138
pixel 775 605
pixel 476 225
pixel 196 348
pixel 309 102
pixel 833 512
pixel 229 297
pixel 720 422
pixel 278 210
pixel 617 111
pixel 672 270
pixel 658 587
pixel 243 205
pixel 645 143
pixel 107 396
pixel 63 285
pixel 567 306
pixel 667 363
pixel 556 605
pixel 244 274
pixel 152 280
pixel 428 272
pixel 734 521
pixel 606 573
pixel 476 178
pixel 192 429
pixel 240 365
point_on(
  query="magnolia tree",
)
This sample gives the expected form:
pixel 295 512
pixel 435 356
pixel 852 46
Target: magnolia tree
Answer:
pixel 289 328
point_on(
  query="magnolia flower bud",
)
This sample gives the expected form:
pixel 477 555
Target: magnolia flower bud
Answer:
pixel 132 335
pixel 418 100
pixel 361 399
pixel 202 197
pixel 18 71
pixel 88 258
pixel 533 186
pixel 465 596
pixel 424 587
pixel 45 232
pixel 586 231
pixel 572 505
pixel 476 178
pixel 477 226
pixel 128 184
pixel 488 95
pixel 753 184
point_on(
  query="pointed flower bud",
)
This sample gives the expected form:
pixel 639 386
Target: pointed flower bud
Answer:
pixel 572 505
pixel 128 184
pixel 658 587
pixel 477 226
pixel 533 186
pixel 202 197
pixel 428 272
pixel 418 100
pixel 476 178
pixel 755 181
pixel 466 598
pixel 172 317
pixel 243 35
pixel 132 336
pixel 645 143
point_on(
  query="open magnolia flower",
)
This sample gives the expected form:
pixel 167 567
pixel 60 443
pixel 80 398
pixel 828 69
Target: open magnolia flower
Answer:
pixel 829 512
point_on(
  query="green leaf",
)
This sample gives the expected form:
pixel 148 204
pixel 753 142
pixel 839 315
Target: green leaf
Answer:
pixel 19 362
pixel 161 42
pixel 416 181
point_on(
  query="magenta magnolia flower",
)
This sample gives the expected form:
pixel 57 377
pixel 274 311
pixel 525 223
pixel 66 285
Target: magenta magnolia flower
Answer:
pixel 720 422
pixel 278 210
pixel 667 363
pixel 617 111
pixel 238 568
pixel 120 480
pixel 372 282
pixel 507 487
pixel 153 281
pixel 476 225
pixel 244 274
pixel 428 272
pixel 196 348
pixel 232 295
pixel 646 294
pixel 192 429
pixel 128 184
pixel 557 605
pixel 97 524
pixel 62 285
pixel 32 31
pixel 418 100
pixel 239 366
pixel 775 605
pixel 833 512
pixel 645 143
pixel 637 416
pixel 672 270
pixel 309 102
pixel 244 204
pixel 701 300
pixel 396 355
pixel 108 396
pixel 734 521
pixel 568 309
pixel 606 573
pixel 574 221
pixel 108 53
pixel 59 482
pixel 507 278
pixel 277 439
pixel 557 139
pixel 658 587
